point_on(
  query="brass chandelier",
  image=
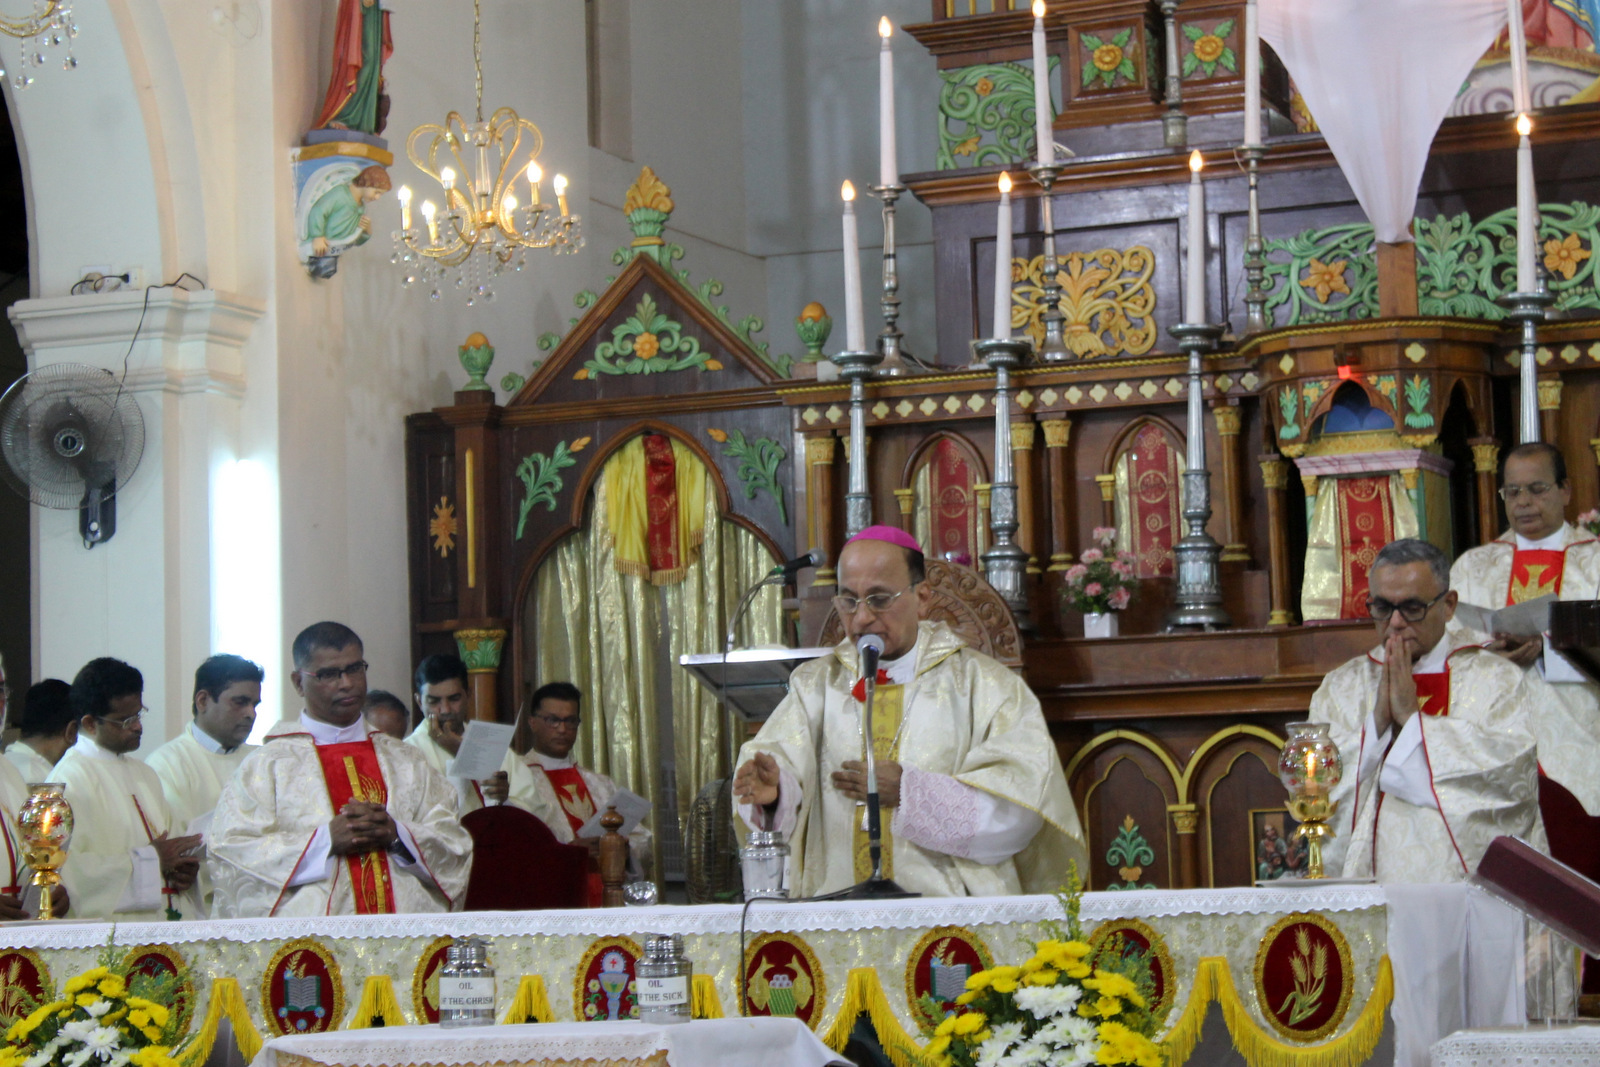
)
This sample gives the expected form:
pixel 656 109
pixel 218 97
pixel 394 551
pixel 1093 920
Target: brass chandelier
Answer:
pixel 50 24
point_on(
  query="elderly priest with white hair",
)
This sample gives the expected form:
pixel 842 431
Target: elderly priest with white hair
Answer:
pixel 976 801
pixel 1435 733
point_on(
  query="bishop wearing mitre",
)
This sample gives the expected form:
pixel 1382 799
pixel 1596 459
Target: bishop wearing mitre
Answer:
pixel 330 817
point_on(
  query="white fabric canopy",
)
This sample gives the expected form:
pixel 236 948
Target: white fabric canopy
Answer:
pixel 1379 77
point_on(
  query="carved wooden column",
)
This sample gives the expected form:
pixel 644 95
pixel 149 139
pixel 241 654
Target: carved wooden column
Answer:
pixel 1027 535
pixel 1275 476
pixel 480 651
pixel 480 607
pixel 1108 498
pixel 1058 479
pixel 1309 483
pixel 1185 821
pixel 1233 547
pixel 819 502
pixel 1550 409
pixel 907 499
pixel 1486 464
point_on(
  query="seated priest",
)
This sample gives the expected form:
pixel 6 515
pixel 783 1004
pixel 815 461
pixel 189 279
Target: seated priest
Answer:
pixel 387 713
pixel 442 693
pixel 14 871
pixel 1543 553
pixel 974 798
pixel 130 860
pixel 572 794
pixel 195 765
pixel 48 727
pixel 329 817
pixel 1434 731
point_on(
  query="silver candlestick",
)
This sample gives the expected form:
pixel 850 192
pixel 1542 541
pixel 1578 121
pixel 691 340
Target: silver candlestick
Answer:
pixel 1528 311
pixel 1197 604
pixel 1054 349
pixel 1005 562
pixel 1174 124
pixel 1255 260
pixel 856 368
pixel 891 342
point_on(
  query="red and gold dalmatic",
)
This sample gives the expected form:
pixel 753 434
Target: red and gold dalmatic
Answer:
pixel 578 806
pixel 351 772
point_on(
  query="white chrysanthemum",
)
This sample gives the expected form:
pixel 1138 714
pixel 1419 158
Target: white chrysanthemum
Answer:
pixel 78 1030
pixel 993 1051
pixel 98 1008
pixel 122 1058
pixel 1068 1030
pixel 1047 1001
pixel 103 1041
pixel 78 1058
pixel 41 1058
pixel 1032 1053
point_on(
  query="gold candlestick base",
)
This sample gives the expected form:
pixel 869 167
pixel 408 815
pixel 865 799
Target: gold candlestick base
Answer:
pixel 1312 813
pixel 45 822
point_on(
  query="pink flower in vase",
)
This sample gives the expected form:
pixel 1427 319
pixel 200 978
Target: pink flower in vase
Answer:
pixel 1119 598
pixel 1093 555
pixel 1093 589
pixel 1077 572
pixel 1122 568
pixel 1105 535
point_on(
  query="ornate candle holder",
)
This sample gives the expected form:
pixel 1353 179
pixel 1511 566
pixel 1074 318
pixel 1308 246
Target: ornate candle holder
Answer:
pixel 856 368
pixel 1054 349
pixel 1255 260
pixel 1528 311
pixel 46 826
pixel 1005 562
pixel 1309 769
pixel 1197 604
pixel 897 361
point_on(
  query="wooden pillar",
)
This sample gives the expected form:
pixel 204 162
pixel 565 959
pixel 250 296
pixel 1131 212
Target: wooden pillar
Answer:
pixel 1397 280
pixel 819 503
pixel 1275 476
pixel 1486 464
pixel 1108 498
pixel 1309 483
pixel 1185 821
pixel 1550 410
pixel 1059 482
pixel 480 586
pixel 480 651
pixel 1027 536
pixel 907 499
pixel 613 860
pixel 1233 547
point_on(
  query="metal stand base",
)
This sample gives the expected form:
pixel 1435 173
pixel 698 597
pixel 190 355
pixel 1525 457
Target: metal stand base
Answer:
pixel 871 889
pixel 1197 603
pixel 1005 561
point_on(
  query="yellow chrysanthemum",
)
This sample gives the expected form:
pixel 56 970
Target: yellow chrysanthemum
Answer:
pixel 970 1023
pixel 83 1000
pixel 1006 986
pixel 113 986
pixel 158 1012
pixel 1105 1007
pixel 1042 977
pixel 968 997
pixel 938 1045
pixel 85 980
pixel 981 1036
pixel 1114 985
pixel 979 981
pixel 150 1033
pixel 139 1017
pixel 946 1026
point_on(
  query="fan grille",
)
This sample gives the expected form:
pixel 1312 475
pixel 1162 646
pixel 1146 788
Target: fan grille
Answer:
pixel 66 427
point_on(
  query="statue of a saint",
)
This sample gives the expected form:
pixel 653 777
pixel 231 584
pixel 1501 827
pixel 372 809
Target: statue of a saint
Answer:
pixel 335 215
pixel 361 46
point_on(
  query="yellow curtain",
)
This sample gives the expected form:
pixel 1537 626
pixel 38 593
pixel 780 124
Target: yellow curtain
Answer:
pixel 627 510
pixel 618 638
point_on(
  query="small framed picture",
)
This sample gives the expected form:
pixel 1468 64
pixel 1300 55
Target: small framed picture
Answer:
pixel 1276 852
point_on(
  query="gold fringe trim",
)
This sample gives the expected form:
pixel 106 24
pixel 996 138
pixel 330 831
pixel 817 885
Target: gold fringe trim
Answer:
pixel 531 1004
pixel 703 1000
pixel 378 1005
pixel 864 993
pixel 225 1000
pixel 1214 982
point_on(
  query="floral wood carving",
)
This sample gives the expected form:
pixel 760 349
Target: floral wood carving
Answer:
pixel 962 600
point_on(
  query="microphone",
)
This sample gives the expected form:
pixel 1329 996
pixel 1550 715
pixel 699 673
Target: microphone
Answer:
pixel 870 646
pixel 789 568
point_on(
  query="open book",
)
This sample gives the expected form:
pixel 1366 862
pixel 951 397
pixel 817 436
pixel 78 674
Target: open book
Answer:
pixel 1527 619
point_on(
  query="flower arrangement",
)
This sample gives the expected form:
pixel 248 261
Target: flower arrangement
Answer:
pixel 1103 578
pixel 98 1022
pixel 1060 1007
pixel 1590 520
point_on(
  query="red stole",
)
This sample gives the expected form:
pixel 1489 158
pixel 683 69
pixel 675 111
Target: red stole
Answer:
pixel 1535 572
pixel 351 772
pixel 572 793
pixel 1433 692
pixel 661 510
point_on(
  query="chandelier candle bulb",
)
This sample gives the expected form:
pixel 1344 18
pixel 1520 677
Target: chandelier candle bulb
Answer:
pixel 560 182
pixel 428 211
pixel 1527 211
pixel 535 176
pixel 1252 75
pixel 1002 263
pixel 854 327
pixel 1042 115
pixel 447 178
pixel 404 195
pixel 508 212
pixel 888 165
pixel 1519 58
pixel 1194 304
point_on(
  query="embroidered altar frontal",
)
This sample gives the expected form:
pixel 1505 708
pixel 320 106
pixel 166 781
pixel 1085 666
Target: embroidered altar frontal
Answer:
pixel 1302 968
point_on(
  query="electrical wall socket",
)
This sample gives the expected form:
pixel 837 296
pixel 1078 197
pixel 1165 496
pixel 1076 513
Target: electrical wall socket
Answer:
pixel 136 279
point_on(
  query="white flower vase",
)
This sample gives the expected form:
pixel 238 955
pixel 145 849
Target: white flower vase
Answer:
pixel 1099 624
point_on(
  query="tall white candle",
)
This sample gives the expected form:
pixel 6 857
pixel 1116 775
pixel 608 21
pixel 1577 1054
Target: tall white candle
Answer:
pixel 1002 262
pixel 1520 103
pixel 1252 76
pixel 888 165
pixel 1527 211
pixel 1042 113
pixel 854 329
pixel 1194 304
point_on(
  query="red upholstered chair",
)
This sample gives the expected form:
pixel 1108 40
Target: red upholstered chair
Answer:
pixel 518 865
pixel 1574 840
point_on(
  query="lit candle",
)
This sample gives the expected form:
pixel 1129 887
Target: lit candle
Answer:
pixel 1002 262
pixel 508 209
pixel 1252 75
pixel 535 176
pixel 1042 114
pixel 1194 304
pixel 433 226
pixel 560 182
pixel 1519 58
pixel 854 330
pixel 405 206
pixel 888 166
pixel 1527 211
pixel 447 178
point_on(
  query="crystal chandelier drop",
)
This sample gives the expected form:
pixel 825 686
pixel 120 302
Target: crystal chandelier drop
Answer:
pixel 49 25
pixel 484 228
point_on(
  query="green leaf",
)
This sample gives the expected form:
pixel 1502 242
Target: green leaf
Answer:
pixel 1090 73
pixel 1125 68
pixel 1121 39
pixel 1224 28
pixel 1191 63
pixel 1090 41
pixel 1208 69
pixel 1228 61
pixel 1193 32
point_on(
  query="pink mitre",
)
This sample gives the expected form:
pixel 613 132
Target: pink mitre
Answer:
pixel 892 534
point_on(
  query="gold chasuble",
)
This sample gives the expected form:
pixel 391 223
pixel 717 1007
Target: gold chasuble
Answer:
pixel 963 715
pixel 1566 716
pixel 886 716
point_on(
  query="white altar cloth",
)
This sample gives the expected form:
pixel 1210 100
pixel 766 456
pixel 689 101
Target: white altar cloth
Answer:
pixel 703 1043
pixel 1558 1046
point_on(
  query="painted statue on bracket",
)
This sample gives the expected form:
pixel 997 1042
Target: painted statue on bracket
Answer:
pixel 361 46
pixel 332 213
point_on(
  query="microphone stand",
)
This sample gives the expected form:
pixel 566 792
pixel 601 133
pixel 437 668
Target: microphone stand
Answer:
pixel 876 887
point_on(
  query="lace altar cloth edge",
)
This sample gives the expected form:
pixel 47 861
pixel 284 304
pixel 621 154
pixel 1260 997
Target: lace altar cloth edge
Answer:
pixel 1562 1046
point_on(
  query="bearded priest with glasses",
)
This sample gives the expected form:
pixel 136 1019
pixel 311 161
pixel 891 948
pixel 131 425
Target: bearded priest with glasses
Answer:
pixel 1435 733
pixel 975 800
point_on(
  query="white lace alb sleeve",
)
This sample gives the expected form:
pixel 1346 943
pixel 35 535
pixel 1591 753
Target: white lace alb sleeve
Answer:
pixel 785 815
pixel 1405 769
pixel 315 862
pixel 944 815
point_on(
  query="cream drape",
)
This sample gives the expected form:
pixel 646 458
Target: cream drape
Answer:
pixel 1322 591
pixel 618 638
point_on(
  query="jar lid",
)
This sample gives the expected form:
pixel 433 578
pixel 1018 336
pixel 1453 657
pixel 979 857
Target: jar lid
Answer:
pixel 764 838
pixel 658 945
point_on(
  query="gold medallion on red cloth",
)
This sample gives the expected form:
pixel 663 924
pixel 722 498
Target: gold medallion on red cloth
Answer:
pixel 1366 524
pixel 351 772
pixel 164 961
pixel 24 984
pixel 603 989
pixel 1132 938
pixel 302 991
pixel 783 977
pixel 425 980
pixel 1303 976
pixel 939 968
pixel 1535 572
pixel 1154 501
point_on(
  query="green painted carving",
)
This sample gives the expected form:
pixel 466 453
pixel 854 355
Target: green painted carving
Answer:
pixel 986 115
pixel 1311 393
pixel 476 355
pixel 758 465
pixel 1130 854
pixel 1419 391
pixel 1330 275
pixel 480 649
pixel 1108 61
pixel 547 341
pixel 1388 388
pixel 1463 267
pixel 1208 48
pixel 1289 405
pixel 541 478
pixel 647 342
pixel 512 381
pixel 813 327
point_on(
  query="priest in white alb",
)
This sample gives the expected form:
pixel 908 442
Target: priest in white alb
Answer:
pixel 1543 553
pixel 1434 731
pixel 195 765
pixel 129 860
pixel 329 817
pixel 46 728
pixel 975 801
pixel 14 872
